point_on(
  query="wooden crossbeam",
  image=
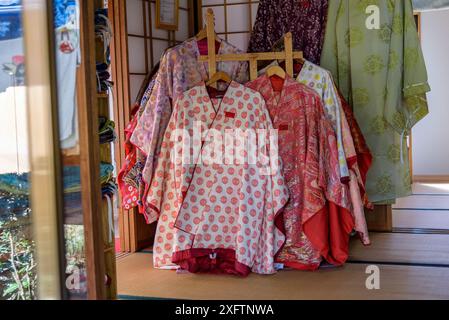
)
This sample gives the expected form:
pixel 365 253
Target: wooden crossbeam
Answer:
pixel 212 58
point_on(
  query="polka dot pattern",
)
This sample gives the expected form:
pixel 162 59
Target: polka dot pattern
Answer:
pixel 211 204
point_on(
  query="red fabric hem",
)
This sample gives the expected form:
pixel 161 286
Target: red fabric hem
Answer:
pixel 213 261
pixel 365 161
pixel 329 232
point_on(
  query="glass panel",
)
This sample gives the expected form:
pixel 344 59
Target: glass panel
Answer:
pixel 18 278
pixel 68 60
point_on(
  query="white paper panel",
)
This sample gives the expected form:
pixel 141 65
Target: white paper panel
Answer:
pixel 254 8
pixel 240 40
pixel 209 2
pixel 158 50
pixel 219 18
pixel 134 17
pixel 238 16
pixel 183 4
pixel 136 48
pixel 183 32
pixel 147 8
pixel 135 84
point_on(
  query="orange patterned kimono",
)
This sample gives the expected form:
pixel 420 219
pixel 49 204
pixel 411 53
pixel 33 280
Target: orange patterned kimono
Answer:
pixel 317 218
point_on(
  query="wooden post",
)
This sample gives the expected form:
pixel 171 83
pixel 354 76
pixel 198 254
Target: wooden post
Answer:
pixel 212 58
pixel 90 156
pixel 211 42
pixel 253 68
pixel 288 40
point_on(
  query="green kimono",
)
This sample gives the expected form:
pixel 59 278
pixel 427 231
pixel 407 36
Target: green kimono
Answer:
pixel 381 72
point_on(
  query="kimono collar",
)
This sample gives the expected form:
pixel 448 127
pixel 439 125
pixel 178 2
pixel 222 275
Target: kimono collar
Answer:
pixel 266 89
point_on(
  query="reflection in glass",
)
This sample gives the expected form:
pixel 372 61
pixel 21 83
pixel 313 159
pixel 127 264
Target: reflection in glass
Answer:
pixel 18 279
pixel 68 59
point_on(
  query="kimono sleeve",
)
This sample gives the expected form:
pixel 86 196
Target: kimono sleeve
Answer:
pixel 407 74
pixel 147 135
pixel 272 234
pixel 162 183
pixel 416 83
pixel 332 103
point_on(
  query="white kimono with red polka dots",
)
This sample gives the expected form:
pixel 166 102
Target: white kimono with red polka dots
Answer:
pixel 219 212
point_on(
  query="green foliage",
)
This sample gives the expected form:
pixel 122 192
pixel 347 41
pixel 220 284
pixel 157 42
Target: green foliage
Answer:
pixel 18 277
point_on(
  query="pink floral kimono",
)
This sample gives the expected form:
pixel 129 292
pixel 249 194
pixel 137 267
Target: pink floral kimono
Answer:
pixel 218 210
pixel 179 71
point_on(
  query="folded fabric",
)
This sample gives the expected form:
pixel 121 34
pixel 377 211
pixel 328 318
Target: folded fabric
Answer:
pixel 107 130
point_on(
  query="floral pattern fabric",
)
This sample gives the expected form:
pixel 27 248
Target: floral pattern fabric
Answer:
pixel 130 176
pixel 382 74
pixel 216 210
pixel 306 20
pixel 308 148
pixel 321 81
pixel 179 71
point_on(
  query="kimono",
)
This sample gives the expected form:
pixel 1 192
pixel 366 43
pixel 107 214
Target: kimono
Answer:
pixel 217 213
pixel 314 227
pixel 364 156
pixel 179 71
pixel 130 176
pixel 305 19
pixel 320 80
pixel 382 74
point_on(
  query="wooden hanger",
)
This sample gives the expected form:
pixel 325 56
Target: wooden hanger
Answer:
pixel 276 71
pixel 219 76
pixel 210 24
pixel 203 35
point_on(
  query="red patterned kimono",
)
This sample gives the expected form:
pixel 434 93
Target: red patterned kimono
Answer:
pixel 130 175
pixel 317 218
pixel 218 213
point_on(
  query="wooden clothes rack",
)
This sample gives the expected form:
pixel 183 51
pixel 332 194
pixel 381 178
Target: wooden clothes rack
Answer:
pixel 212 58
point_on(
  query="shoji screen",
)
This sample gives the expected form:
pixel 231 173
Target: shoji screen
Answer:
pixel 146 44
pixel 234 19
pixel 137 47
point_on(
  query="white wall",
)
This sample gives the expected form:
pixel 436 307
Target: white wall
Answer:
pixel 431 135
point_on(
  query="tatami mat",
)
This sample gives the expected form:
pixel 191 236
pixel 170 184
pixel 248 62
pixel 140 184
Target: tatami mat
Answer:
pixel 423 202
pixel 423 219
pixel 431 249
pixel 431 188
pixel 137 278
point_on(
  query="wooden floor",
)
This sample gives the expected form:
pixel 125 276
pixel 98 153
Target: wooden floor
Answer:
pixel 412 266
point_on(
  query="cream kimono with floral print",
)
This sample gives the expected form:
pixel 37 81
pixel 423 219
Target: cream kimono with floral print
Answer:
pixel 319 79
pixel 218 203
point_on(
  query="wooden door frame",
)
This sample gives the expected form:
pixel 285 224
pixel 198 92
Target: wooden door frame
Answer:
pixel 90 154
pixel 46 196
